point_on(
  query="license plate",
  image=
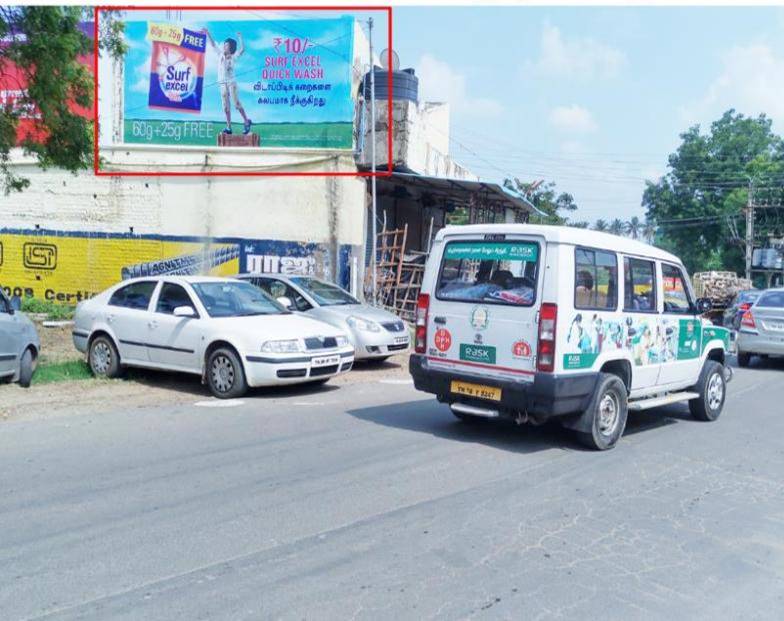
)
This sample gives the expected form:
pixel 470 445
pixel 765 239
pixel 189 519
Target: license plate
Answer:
pixel 775 326
pixel 324 361
pixel 476 390
pixel 400 340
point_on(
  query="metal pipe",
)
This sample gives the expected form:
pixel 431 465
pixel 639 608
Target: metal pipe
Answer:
pixel 373 160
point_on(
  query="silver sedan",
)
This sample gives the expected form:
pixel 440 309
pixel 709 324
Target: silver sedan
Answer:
pixel 375 333
pixel 762 328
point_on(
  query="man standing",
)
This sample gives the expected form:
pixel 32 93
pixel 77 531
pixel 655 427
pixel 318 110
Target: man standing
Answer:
pixel 227 80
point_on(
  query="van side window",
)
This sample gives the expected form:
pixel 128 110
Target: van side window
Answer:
pixel 676 294
pixel 596 279
pixel 639 285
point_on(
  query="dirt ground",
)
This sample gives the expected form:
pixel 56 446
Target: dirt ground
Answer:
pixel 141 388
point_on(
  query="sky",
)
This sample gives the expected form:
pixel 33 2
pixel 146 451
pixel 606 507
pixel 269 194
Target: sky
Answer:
pixel 593 99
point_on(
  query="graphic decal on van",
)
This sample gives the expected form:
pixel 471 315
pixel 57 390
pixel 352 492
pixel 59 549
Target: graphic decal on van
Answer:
pixel 442 339
pixel 479 317
pixel 521 349
pixel 715 332
pixel 647 340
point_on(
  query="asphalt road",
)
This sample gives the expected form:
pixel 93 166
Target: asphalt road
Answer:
pixel 370 501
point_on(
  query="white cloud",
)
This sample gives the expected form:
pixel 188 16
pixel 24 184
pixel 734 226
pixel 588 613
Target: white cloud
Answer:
pixel 142 76
pixel 439 82
pixel 572 119
pixel 749 82
pixel 574 58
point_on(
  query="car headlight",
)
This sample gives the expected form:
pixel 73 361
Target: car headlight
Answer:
pixel 290 346
pixel 341 341
pixel 363 324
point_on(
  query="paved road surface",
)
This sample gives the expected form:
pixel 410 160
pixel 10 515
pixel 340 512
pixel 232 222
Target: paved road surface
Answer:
pixel 371 502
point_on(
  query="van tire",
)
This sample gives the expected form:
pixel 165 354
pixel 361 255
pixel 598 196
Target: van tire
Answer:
pixel 606 414
pixel 712 388
pixel 744 358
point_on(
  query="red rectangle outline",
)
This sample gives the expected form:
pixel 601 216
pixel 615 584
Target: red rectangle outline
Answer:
pixel 102 173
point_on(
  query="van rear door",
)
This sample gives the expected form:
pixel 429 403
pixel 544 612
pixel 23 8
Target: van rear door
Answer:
pixel 482 315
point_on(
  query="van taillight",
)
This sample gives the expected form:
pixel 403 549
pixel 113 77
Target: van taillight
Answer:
pixel 545 350
pixel 745 306
pixel 748 320
pixel 420 341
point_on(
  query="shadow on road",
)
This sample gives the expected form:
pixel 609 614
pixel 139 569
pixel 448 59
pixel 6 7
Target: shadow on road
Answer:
pixel 191 384
pixel 435 419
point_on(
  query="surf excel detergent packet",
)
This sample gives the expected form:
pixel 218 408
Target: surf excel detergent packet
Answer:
pixel 176 67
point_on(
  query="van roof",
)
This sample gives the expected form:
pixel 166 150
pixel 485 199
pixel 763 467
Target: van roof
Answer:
pixel 564 235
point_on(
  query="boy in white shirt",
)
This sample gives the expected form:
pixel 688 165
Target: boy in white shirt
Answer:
pixel 227 56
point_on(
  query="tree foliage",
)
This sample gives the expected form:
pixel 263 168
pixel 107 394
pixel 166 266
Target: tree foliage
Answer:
pixel 556 206
pixel 698 205
pixel 45 45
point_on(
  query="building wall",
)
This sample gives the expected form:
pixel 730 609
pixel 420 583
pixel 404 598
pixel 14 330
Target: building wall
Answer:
pixel 69 236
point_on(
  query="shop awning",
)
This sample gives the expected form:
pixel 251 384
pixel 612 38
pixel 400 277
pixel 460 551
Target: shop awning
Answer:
pixel 436 191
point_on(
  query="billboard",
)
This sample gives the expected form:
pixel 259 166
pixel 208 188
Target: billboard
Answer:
pixel 269 83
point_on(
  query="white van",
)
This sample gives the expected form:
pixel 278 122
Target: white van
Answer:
pixel 534 322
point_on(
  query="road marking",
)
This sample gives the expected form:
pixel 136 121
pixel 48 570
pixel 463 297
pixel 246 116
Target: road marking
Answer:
pixel 400 382
pixel 308 403
pixel 219 403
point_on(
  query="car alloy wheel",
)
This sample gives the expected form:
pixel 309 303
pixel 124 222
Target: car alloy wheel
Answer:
pixel 222 373
pixel 101 358
pixel 715 391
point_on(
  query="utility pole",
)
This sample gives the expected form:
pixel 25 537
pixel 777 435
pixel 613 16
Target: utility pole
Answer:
pixel 749 228
pixel 373 160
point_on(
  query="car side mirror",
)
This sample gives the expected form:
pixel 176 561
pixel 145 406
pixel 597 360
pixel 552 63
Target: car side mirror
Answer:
pixel 184 311
pixel 286 302
pixel 16 304
pixel 704 305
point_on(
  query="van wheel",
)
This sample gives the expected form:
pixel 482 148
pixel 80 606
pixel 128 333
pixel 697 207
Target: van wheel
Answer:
pixel 607 414
pixel 26 368
pixel 225 375
pixel 744 358
pixel 712 389
pixel 103 357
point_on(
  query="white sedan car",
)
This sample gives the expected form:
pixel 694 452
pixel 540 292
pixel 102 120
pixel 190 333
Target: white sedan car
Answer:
pixel 229 332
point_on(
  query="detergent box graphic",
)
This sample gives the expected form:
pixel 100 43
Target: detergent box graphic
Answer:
pixel 176 68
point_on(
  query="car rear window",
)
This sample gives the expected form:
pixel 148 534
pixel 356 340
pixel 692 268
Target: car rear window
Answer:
pixel 771 299
pixel 494 272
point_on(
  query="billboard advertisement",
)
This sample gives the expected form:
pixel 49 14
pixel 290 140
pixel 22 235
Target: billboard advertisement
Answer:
pixel 268 83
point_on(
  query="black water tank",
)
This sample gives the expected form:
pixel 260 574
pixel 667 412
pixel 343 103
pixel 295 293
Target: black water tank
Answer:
pixel 405 84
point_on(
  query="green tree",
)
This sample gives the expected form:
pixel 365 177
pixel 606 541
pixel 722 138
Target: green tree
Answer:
pixel 649 231
pixel 556 206
pixel 601 225
pixel 45 44
pixel 698 205
pixel 617 227
pixel 633 227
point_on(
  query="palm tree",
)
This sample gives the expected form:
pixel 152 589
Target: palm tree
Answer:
pixel 633 227
pixel 600 225
pixel 617 227
pixel 649 231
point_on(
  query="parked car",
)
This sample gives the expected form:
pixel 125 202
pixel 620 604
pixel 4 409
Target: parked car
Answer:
pixel 229 332
pixel 19 342
pixel 739 305
pixel 376 334
pixel 762 328
pixel 537 322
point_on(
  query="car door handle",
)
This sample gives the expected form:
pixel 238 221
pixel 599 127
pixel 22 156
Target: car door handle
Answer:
pixel 439 320
pixel 152 324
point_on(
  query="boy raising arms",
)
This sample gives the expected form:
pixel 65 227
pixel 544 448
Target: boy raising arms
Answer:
pixel 227 55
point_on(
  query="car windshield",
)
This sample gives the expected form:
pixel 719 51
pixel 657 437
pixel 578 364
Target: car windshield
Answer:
pixel 236 299
pixel 324 293
pixel 771 299
pixel 748 296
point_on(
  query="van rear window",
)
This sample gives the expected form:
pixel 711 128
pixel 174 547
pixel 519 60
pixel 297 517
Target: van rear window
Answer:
pixel 494 272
